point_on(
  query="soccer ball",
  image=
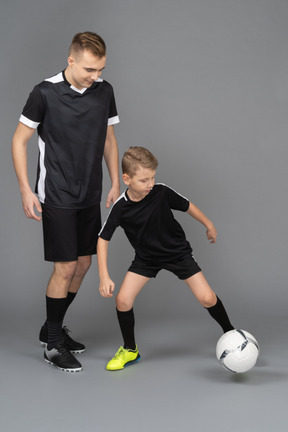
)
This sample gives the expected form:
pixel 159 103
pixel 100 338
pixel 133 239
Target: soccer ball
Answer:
pixel 237 351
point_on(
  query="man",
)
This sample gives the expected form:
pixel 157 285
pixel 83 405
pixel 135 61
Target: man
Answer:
pixel 74 113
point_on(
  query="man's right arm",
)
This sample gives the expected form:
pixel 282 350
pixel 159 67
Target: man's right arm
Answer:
pixel 21 138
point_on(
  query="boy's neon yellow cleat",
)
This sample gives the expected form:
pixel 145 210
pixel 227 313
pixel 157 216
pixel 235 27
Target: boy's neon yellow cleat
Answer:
pixel 123 357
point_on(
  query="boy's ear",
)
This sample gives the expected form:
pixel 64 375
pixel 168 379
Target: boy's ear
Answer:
pixel 126 179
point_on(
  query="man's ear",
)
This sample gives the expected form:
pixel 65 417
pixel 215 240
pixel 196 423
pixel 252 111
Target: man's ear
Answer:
pixel 71 60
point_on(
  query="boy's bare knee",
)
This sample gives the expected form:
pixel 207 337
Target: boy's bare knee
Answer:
pixel 123 304
pixel 208 300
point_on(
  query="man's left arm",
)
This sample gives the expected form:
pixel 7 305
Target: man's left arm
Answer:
pixel 111 156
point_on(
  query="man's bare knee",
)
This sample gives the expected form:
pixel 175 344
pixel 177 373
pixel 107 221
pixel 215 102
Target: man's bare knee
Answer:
pixel 83 265
pixel 65 270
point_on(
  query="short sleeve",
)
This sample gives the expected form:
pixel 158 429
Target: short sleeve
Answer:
pixel 33 111
pixel 113 114
pixel 110 225
pixel 176 200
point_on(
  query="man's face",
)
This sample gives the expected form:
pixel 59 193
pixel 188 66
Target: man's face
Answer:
pixel 84 69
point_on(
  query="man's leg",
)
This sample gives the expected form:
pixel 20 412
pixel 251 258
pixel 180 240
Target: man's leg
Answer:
pixel 65 276
pixel 56 352
pixel 83 265
pixel 70 238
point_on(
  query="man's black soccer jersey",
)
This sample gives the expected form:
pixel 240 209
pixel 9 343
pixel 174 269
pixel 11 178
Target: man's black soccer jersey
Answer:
pixel 150 225
pixel 72 126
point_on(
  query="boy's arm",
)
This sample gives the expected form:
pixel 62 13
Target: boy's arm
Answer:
pixel 21 137
pixel 111 156
pixel 106 286
pixel 197 214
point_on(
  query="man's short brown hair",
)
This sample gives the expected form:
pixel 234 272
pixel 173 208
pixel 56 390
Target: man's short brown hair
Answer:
pixel 135 157
pixel 88 41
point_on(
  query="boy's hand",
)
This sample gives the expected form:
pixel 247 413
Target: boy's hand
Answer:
pixel 106 287
pixel 211 234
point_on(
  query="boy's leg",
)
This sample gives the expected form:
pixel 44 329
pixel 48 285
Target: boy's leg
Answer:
pixel 126 322
pixel 208 299
pixel 130 288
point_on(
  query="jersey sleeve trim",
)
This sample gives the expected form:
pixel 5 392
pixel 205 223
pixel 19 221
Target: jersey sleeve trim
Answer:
pixel 122 196
pixel 176 200
pixel 113 120
pixel 163 184
pixel 28 122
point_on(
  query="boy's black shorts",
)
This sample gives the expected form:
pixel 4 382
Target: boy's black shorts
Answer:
pixel 70 233
pixel 183 268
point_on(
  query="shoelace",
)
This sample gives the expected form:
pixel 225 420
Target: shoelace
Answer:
pixel 63 351
pixel 119 352
pixel 65 332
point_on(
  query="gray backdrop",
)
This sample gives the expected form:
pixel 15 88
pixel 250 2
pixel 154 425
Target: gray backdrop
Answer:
pixel 204 85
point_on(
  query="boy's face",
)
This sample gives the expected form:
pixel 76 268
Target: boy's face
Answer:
pixel 83 70
pixel 141 183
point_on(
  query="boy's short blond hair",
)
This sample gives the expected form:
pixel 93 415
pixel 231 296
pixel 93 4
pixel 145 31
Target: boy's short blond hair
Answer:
pixel 135 157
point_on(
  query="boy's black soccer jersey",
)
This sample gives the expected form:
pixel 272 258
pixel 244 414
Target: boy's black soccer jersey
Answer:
pixel 150 225
pixel 72 126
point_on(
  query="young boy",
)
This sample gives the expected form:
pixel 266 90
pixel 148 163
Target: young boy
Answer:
pixel 144 212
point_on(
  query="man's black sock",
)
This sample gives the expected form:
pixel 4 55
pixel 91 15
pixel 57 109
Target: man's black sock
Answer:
pixel 55 313
pixel 127 323
pixel 219 313
pixel 69 299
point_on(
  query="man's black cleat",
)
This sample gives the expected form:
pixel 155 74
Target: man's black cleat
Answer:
pixel 62 358
pixel 70 344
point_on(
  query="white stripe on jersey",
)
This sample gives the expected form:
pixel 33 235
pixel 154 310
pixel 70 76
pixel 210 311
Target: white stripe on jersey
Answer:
pixel 28 122
pixel 59 78
pixel 113 120
pixel 56 78
pixel 163 184
pixel 81 91
pixel 120 197
pixel 42 175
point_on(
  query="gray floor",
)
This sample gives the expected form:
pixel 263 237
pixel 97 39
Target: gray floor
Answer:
pixel 177 384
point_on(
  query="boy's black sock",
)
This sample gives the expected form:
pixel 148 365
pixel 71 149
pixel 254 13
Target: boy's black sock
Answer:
pixel 219 313
pixel 56 309
pixel 127 323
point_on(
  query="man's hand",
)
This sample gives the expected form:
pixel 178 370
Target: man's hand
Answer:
pixel 113 195
pixel 29 202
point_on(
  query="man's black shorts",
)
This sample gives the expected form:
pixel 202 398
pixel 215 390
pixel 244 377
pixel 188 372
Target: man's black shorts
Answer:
pixel 183 268
pixel 70 233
